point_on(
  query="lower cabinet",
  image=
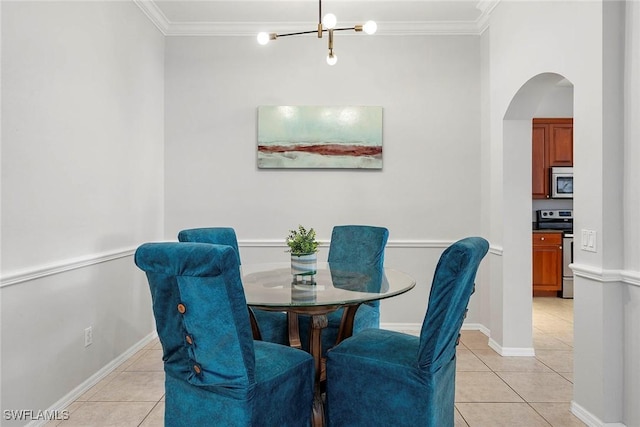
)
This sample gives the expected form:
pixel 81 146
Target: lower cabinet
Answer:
pixel 547 262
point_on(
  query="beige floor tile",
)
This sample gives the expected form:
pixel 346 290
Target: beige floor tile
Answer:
pixel 155 417
pixel 106 414
pixel 152 344
pixel 565 337
pixel 132 386
pixel 568 376
pixel 458 421
pixel 558 414
pixel 552 325
pixel 151 360
pixel 500 415
pixel 558 360
pixel 483 387
pixel 467 361
pixel 98 386
pixel 474 340
pixel 490 390
pixel 544 341
pixel 539 386
pixel 499 363
pixel 124 365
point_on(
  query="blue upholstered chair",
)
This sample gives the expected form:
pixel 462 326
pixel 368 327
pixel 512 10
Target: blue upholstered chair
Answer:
pixel 387 378
pixel 215 373
pixel 361 246
pixel 272 324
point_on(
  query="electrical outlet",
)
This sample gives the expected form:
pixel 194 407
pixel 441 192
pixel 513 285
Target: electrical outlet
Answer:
pixel 88 336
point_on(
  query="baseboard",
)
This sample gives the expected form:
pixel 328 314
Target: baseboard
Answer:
pixel 511 351
pixel 503 351
pixel 74 394
pixel 476 327
pixel 589 419
pixel 402 327
pixel 417 327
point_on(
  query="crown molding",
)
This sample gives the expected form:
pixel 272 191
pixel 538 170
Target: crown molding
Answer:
pixel 486 8
pixel 155 15
pixel 246 29
pixel 250 29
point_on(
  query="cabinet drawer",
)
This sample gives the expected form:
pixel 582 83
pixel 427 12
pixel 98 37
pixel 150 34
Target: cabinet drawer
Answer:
pixel 541 239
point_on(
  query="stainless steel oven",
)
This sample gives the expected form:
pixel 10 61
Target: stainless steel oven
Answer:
pixel 567 273
pixel 562 183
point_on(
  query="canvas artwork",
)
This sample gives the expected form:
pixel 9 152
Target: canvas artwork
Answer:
pixel 320 137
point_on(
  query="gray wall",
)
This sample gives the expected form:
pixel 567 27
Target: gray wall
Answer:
pixel 427 194
pixel 82 185
pixel 586 43
pixel 85 135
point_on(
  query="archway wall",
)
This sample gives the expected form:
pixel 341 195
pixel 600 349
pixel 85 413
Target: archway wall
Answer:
pixel 528 39
pixel 578 40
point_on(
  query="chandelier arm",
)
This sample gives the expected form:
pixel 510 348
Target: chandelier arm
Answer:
pixel 345 28
pixel 298 33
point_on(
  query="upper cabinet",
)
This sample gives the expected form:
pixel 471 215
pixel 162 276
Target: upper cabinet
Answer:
pixel 552 145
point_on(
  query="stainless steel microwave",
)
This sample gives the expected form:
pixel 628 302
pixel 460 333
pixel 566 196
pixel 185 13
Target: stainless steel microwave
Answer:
pixel 562 183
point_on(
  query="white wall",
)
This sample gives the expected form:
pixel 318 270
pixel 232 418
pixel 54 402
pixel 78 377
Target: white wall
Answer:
pixel 580 41
pixel 631 235
pixel 82 186
pixel 427 194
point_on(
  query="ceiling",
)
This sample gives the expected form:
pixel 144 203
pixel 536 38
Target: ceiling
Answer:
pixel 248 17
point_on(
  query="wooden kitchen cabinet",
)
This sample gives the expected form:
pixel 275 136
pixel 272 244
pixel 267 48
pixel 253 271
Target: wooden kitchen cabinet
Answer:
pixel 552 145
pixel 547 262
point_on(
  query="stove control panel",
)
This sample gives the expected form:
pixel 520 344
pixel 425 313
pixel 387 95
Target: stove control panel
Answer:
pixel 550 214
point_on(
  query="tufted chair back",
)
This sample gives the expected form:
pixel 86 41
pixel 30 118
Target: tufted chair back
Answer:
pixel 403 380
pixel 272 324
pixel 359 247
pixel 214 235
pixel 201 313
pixel 215 373
pixel 358 244
pixel 453 284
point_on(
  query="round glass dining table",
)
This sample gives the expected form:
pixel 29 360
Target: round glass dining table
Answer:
pixel 274 287
pixel 334 285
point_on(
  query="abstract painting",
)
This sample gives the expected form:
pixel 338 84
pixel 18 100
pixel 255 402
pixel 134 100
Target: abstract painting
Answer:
pixel 320 137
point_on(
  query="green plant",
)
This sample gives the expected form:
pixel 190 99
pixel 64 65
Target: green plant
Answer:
pixel 301 241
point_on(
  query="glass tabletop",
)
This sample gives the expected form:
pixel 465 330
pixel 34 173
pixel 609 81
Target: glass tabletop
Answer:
pixel 273 285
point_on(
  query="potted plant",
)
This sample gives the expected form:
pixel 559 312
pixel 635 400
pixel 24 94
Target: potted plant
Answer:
pixel 303 247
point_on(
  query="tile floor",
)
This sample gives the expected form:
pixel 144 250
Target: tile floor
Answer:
pixel 491 390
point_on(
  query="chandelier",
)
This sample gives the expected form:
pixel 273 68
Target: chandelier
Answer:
pixel 326 24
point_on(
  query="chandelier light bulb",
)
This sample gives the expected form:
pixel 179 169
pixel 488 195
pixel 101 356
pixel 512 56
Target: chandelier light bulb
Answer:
pixel 329 21
pixel 263 38
pixel 370 27
pixel 332 59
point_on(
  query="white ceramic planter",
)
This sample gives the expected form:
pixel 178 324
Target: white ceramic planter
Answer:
pixel 304 265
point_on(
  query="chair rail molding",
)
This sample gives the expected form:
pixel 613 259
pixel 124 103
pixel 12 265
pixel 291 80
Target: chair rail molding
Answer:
pixel 602 275
pixel 420 244
pixel 26 275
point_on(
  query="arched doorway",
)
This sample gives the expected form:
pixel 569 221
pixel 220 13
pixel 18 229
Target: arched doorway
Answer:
pixel 544 95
